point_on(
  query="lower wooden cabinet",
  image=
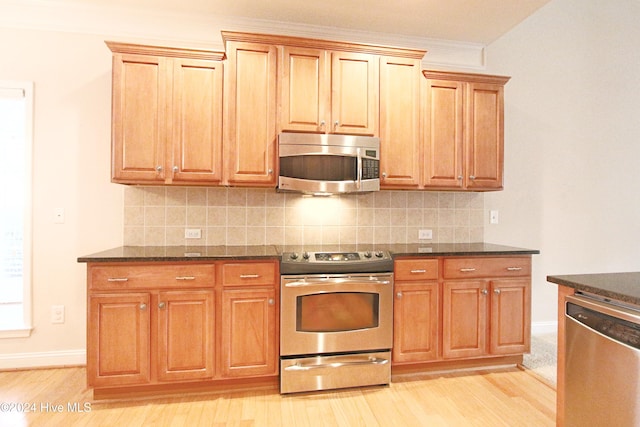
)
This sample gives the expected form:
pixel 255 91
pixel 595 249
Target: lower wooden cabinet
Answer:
pixel 455 308
pixel 162 323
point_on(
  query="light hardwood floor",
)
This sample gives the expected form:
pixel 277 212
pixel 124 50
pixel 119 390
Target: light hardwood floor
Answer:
pixel 504 397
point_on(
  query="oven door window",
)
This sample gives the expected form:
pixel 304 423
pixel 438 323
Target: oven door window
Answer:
pixel 337 311
pixel 320 167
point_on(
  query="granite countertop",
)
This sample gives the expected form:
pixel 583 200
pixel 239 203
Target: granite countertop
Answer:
pixel 618 286
pixel 213 253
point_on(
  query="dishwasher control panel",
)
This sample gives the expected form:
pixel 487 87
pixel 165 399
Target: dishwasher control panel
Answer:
pixel 618 329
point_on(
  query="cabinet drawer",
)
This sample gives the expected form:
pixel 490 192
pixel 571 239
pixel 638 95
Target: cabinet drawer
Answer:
pixel 249 273
pixel 416 269
pixel 458 268
pixel 151 276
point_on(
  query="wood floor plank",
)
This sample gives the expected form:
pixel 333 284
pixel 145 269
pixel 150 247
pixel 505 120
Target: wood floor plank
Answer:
pixel 507 397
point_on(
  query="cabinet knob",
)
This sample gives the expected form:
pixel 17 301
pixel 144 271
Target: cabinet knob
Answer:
pixel 176 169
pixel 143 306
pixel 472 177
pixel 322 123
pixel 496 291
pixel 159 168
pixel 270 171
pixel 271 301
pixel 399 294
pixel 484 292
pixel 459 177
pixel 336 123
pixel 162 305
pixel 384 175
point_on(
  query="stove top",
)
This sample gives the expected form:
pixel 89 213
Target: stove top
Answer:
pixel 305 262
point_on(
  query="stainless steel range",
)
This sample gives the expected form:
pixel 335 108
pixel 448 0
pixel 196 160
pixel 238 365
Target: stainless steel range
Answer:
pixel 336 320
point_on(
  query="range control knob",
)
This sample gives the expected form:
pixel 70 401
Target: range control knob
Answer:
pixel 367 254
pixel 293 255
pixel 379 254
pixel 305 255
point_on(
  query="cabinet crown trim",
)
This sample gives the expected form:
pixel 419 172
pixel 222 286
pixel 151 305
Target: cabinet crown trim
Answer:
pixel 467 77
pixel 173 52
pixel 271 39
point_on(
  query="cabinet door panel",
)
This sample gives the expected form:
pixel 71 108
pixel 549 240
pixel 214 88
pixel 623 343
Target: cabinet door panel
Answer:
pixel 250 125
pixel 485 137
pixel 249 332
pixel 415 328
pixel 510 316
pixel 464 320
pixel 197 123
pixel 400 139
pixel 354 94
pixel 305 96
pixel 185 335
pixel 444 134
pixel 118 340
pixel 139 117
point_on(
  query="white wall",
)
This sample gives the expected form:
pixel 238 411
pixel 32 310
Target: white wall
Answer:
pixel 572 151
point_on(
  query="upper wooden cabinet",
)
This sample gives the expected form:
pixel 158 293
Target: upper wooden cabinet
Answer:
pixel 464 131
pixel 250 111
pixel 328 92
pixel 166 115
pixel 400 126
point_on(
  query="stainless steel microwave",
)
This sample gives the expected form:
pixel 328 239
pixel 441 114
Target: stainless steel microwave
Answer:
pixel 328 164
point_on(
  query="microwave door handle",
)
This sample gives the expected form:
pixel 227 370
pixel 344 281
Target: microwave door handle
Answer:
pixel 359 172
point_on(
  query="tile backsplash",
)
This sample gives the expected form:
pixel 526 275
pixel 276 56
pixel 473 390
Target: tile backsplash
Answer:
pixel 238 216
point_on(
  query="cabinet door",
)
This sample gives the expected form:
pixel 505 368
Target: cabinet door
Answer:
pixel 485 135
pixel 400 139
pixel 443 154
pixel 464 323
pixel 197 120
pixel 141 88
pixel 510 316
pixel 249 332
pixel 185 335
pixel 305 89
pixel 118 339
pixel 250 125
pixel 415 322
pixel 354 93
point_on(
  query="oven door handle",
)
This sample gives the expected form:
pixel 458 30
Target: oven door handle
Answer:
pixel 333 281
pixel 304 367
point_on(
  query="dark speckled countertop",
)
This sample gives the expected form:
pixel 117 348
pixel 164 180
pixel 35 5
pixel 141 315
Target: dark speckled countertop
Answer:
pixel 213 253
pixel 618 286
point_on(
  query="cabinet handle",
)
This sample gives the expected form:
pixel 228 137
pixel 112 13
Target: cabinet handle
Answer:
pixel 484 292
pixel 496 291
pixel 399 294
pixel 185 278
pixel 384 175
pixel 143 306
pixel 176 169
pixel 270 171
pixel 472 177
pixel 162 305
pixel 159 168
pixel 336 124
pixel 418 271
pixel 117 279
pixel 459 177
pixel 322 123
pixel 249 276
pixel 271 301
pixel 467 270
pixel 514 268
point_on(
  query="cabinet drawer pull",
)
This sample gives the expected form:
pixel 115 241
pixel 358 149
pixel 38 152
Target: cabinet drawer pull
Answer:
pixel 249 276
pixel 418 271
pixel 185 278
pixel 117 279
pixel 514 268
pixel 467 270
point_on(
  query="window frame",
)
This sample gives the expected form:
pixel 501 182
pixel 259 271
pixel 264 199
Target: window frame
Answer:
pixel 25 329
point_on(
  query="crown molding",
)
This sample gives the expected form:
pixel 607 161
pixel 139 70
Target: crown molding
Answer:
pixel 135 25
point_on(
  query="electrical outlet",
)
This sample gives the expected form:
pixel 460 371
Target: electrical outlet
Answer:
pixel 425 234
pixel 192 233
pixel 57 314
pixel 493 217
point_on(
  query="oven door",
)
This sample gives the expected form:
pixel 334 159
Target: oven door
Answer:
pixel 339 313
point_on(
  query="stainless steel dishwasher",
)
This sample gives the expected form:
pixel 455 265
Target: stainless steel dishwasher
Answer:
pixel 602 365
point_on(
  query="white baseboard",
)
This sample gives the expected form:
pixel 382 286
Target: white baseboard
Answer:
pixel 43 359
pixel 542 328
